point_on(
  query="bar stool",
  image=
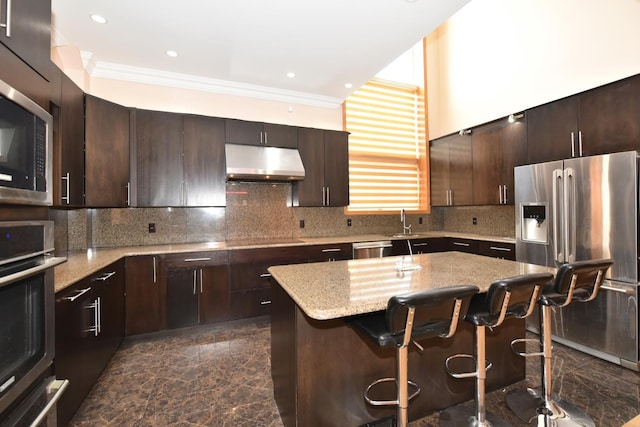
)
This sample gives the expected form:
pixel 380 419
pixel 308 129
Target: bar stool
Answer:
pixel 506 298
pixel 413 316
pixel 575 282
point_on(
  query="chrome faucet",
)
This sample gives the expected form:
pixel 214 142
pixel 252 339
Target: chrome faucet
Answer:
pixel 403 218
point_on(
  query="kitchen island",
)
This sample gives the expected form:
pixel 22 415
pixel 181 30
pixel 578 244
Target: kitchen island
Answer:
pixel 320 366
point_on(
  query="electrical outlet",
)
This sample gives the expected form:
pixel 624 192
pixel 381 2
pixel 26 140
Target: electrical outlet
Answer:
pixel 152 227
pixel 419 220
pixel 348 222
pixel 475 221
pixel 302 223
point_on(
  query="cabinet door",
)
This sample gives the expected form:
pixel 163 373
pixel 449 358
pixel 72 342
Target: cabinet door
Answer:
pixel 439 170
pixel 204 161
pixel 158 158
pixel 70 181
pixel 487 166
pixel 30 32
pixel 109 287
pixel 310 191
pixel 514 153
pixel 182 297
pixel 247 304
pixel 106 153
pixel 549 130
pixel 214 293
pixel 609 117
pixel 280 135
pixel 336 168
pixel 461 170
pixel 243 132
pixel 74 339
pixel 142 295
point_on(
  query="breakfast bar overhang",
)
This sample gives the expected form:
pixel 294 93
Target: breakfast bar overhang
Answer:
pixel 321 367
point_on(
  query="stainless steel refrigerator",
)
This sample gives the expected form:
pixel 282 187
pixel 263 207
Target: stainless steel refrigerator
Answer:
pixel 578 209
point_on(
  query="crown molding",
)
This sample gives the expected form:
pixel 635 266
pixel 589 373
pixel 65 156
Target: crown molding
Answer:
pixel 114 71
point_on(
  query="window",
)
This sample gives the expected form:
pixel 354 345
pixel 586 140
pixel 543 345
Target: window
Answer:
pixel 387 148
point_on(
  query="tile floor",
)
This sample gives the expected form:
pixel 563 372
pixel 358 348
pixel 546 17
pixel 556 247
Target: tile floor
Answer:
pixel 219 375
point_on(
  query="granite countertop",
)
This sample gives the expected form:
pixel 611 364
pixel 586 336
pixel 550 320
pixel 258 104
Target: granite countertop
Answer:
pixel 81 264
pixel 344 288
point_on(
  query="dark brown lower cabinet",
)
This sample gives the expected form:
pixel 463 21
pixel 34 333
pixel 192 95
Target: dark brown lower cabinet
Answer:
pixel 89 330
pixel 197 288
pixel 142 294
pixel 497 250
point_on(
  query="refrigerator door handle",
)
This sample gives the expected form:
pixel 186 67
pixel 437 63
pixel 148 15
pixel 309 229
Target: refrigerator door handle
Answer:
pixel 570 214
pixel 557 188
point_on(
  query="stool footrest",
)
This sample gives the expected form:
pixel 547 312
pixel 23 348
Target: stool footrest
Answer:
pixel 459 375
pixel 525 354
pixel 388 402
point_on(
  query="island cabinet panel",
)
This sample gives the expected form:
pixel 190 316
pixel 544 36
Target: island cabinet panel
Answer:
pixel 158 158
pixel 204 161
pixel 196 288
pixel 89 329
pixel 106 153
pixel 258 133
pixel 451 171
pixel 325 155
pixel 142 294
pixel 249 280
pixel 307 352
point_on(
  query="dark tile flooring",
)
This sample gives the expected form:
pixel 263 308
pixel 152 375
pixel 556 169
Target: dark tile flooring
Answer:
pixel 219 375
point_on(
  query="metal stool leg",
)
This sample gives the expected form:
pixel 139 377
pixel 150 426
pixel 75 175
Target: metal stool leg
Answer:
pixel 539 406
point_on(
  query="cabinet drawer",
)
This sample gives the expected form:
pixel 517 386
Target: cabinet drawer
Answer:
pixel 196 259
pixel 497 250
pixel 245 304
pixel 463 245
pixel 336 252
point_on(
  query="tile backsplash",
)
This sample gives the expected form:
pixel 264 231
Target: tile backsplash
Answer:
pixel 257 211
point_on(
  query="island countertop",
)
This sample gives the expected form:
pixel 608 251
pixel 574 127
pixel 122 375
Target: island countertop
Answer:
pixel 332 290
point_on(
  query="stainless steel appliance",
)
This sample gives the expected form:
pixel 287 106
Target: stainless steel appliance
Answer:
pixel 578 209
pixel 25 150
pixel 375 249
pixel 27 345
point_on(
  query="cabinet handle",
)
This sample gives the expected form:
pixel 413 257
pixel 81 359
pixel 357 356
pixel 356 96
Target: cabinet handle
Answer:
pixel 266 138
pixel 419 244
pixel 195 280
pixel 619 290
pixel 128 193
pixel 78 295
pixel 461 244
pixel 197 259
pixel 505 198
pixel 331 250
pixel 99 311
pixel 266 302
pixel 497 248
pixel 66 198
pixel 324 196
pixel 7 23
pixel 573 145
pixel 155 271
pixel 500 201
pixel 265 275
pixel 580 142
pixel 328 197
pixel 95 306
pixel 104 277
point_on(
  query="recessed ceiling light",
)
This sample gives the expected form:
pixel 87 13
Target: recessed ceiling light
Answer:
pixel 172 53
pixel 348 85
pixel 99 19
pixel 291 74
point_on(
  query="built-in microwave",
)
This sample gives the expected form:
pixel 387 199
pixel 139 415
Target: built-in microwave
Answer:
pixel 25 150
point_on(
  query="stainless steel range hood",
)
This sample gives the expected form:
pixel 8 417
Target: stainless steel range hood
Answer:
pixel 253 162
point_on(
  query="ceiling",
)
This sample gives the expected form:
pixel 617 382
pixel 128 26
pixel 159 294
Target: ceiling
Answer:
pixel 247 47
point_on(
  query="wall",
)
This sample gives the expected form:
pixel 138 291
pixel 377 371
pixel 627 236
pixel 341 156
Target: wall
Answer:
pixel 497 57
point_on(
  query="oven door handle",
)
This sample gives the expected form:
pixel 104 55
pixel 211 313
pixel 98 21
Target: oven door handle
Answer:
pixel 57 386
pixel 23 274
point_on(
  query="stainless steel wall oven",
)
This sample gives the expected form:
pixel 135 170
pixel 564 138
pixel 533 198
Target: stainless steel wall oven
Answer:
pixel 27 331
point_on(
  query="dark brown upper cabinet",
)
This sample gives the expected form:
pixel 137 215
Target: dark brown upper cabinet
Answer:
pixel 497 148
pixel 325 156
pixel 451 171
pixel 158 158
pixel 598 121
pixel 106 153
pixel 258 133
pixel 204 161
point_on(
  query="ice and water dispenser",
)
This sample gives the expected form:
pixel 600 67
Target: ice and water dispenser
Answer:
pixel 534 223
